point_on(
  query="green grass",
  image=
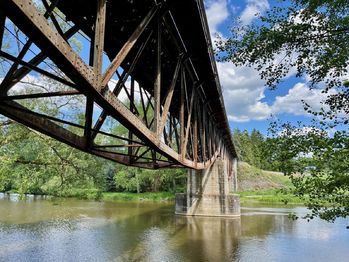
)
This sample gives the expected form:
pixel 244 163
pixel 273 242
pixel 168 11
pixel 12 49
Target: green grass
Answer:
pixel 148 196
pixel 256 185
pixel 270 196
pixel 251 178
pixel 80 193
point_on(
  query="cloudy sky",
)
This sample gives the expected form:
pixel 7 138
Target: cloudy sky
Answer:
pixel 248 103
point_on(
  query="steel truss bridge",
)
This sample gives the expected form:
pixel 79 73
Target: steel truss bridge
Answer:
pixel 156 53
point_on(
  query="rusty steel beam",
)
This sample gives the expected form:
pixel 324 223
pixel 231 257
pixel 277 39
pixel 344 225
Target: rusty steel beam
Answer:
pixel 17 112
pixel 181 115
pixel 128 145
pixel 43 125
pixel 169 97
pixel 195 136
pixel 49 10
pixel 89 81
pixel 145 118
pixel 99 38
pixel 88 122
pixel 119 58
pixel 35 61
pixel 5 82
pixel 96 61
pixel 203 134
pixel 25 15
pixel 40 95
pixel 187 129
pixel 157 83
pixel 37 69
pixel 2 25
pixel 132 108
pixel 120 83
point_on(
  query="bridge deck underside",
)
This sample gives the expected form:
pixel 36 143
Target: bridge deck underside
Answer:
pixel 160 58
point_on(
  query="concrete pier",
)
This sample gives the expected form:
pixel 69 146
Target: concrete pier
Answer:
pixel 210 192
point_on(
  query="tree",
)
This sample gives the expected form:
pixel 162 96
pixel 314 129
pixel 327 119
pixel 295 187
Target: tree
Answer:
pixel 317 164
pixel 252 148
pixel 308 36
pixel 257 142
pixel 311 38
pixel 244 146
pixel 34 163
pixel 132 179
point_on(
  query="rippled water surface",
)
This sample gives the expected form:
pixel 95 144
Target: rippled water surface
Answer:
pixel 74 230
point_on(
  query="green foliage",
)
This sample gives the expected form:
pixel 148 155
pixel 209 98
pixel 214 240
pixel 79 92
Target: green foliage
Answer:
pixel 308 36
pixel 317 163
pixel 144 180
pixel 249 146
pixel 311 35
pixel 255 149
pixel 34 163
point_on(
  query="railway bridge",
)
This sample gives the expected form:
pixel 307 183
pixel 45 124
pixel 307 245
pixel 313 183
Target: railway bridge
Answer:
pixel 146 66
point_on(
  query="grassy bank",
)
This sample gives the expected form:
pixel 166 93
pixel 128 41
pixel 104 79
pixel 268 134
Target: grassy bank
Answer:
pixel 251 178
pixel 256 185
pixel 92 194
pixel 270 196
pixel 148 196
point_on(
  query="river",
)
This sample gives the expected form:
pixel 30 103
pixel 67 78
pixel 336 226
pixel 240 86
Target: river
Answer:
pixel 38 229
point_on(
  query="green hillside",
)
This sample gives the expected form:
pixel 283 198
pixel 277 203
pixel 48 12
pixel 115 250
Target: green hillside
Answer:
pixel 252 178
pixel 256 185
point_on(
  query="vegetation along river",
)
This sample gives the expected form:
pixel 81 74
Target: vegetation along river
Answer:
pixel 38 229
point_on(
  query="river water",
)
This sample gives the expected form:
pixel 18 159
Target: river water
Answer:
pixel 75 230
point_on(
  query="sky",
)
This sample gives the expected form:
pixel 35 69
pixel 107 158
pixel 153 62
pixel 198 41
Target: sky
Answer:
pixel 248 102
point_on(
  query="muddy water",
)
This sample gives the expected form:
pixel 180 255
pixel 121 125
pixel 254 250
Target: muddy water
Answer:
pixel 39 229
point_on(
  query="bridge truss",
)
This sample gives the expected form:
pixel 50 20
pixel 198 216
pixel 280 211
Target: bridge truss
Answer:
pixel 149 67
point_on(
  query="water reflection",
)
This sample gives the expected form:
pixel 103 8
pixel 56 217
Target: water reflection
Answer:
pixel 73 230
pixel 208 238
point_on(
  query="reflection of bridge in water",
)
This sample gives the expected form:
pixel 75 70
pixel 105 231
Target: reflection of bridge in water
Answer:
pixel 160 60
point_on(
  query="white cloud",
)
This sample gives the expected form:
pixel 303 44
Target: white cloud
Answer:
pixel 122 95
pixel 292 102
pixel 217 12
pixel 252 8
pixel 243 91
pixel 27 81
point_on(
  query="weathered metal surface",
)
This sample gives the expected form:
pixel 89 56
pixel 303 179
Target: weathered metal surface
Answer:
pixel 180 120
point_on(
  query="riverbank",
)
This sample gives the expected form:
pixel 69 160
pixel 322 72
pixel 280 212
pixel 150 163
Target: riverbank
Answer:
pixel 270 196
pixel 147 196
pixel 255 185
pixel 269 187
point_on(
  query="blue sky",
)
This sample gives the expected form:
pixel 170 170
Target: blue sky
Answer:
pixel 248 102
